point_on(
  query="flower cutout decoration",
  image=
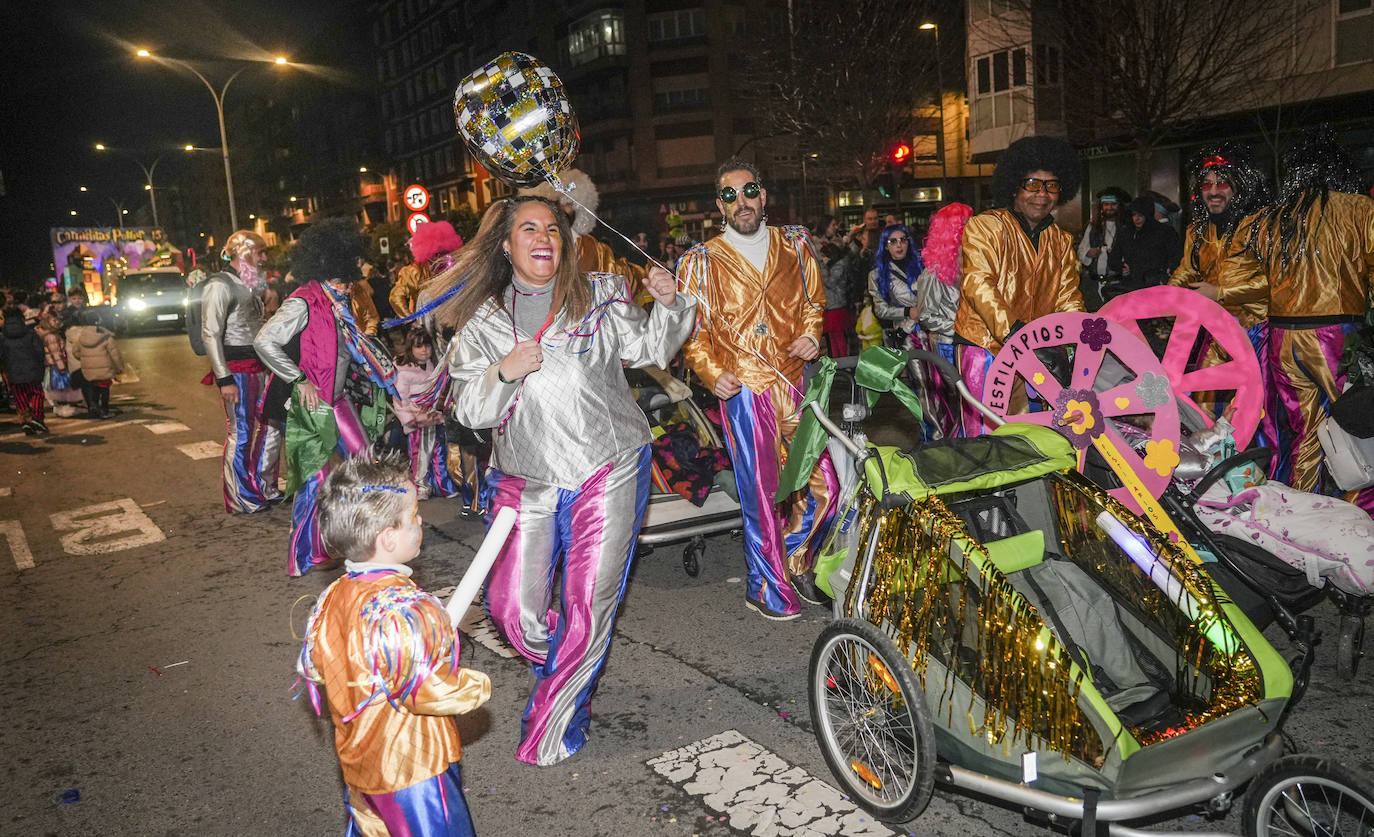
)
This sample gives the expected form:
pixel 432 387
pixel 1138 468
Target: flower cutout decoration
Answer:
pixel 1095 334
pixel 1152 389
pixel 1161 457
pixel 1078 416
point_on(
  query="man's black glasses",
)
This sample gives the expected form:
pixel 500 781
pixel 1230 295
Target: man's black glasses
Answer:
pixel 751 190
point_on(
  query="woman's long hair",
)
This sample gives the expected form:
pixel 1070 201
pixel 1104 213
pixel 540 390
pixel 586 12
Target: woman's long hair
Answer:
pixel 484 273
pixel 910 270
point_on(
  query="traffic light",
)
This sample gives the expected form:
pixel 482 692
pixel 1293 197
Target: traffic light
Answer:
pixel 901 154
pixel 886 184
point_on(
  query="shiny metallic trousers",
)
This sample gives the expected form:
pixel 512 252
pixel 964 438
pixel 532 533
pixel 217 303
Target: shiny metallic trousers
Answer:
pixel 1305 364
pixel 586 536
pixel 307 546
pixel 252 449
pixel 429 454
pixel 774 547
pixel 435 807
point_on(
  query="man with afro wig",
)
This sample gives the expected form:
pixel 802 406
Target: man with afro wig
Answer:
pixel 330 379
pixel 1015 264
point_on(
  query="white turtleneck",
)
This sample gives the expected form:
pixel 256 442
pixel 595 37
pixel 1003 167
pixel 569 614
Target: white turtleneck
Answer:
pixel 754 248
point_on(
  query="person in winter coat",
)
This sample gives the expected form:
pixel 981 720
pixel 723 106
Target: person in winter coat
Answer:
pixel 21 358
pixel 61 391
pixel 92 350
pixel 1146 251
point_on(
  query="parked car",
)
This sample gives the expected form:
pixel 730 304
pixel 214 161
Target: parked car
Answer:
pixel 150 298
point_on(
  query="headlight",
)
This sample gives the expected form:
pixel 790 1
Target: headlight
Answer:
pixel 137 305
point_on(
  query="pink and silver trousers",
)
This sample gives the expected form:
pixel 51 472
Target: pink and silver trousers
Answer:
pixel 585 536
pixel 252 449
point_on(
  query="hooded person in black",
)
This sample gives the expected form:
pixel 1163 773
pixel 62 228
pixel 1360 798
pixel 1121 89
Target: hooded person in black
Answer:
pixel 1146 251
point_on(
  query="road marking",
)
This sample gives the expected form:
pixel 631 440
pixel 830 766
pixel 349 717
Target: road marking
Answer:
pixel 5 491
pixel 202 450
pixel 123 397
pixel 760 793
pixel 160 427
pixel 19 546
pixel 74 428
pixel 91 528
pixel 478 627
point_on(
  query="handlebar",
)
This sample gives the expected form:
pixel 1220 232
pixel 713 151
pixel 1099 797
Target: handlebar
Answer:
pixel 1256 455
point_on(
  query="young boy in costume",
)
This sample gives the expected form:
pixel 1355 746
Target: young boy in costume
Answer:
pixel 387 655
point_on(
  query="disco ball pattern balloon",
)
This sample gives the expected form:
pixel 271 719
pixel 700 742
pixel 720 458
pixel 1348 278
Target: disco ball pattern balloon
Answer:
pixel 515 117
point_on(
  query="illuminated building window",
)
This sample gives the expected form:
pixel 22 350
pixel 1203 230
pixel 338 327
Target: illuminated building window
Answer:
pixel 597 35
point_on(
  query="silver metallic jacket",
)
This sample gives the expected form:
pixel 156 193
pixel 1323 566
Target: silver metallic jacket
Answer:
pixel 576 413
pixel 231 314
pixel 290 320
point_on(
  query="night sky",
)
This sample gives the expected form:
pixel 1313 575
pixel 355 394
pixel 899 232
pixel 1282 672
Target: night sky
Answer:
pixel 70 80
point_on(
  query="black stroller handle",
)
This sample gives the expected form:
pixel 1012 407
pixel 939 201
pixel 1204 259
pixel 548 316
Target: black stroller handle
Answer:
pixel 937 360
pixel 1257 455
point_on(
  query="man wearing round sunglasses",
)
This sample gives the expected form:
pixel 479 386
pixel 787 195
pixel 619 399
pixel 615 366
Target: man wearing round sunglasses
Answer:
pixel 1016 264
pixel 759 322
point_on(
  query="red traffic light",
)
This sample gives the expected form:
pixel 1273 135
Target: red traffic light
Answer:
pixel 901 153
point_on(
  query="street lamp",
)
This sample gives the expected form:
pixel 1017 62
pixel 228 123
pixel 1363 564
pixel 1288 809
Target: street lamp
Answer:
pixel 120 211
pixel 147 173
pixel 218 96
pixel 940 137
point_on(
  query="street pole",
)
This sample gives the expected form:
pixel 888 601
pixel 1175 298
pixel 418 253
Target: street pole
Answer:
pixel 119 216
pixel 218 97
pixel 152 190
pixel 940 93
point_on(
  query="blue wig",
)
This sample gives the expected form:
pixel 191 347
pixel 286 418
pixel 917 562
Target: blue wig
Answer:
pixel 910 267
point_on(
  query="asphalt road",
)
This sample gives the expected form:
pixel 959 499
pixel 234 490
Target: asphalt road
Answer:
pixel 148 658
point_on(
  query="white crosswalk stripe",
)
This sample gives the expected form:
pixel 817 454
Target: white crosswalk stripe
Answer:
pixel 761 794
pixel 202 450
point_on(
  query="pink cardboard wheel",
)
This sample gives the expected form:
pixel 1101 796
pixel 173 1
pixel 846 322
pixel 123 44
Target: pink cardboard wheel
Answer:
pixel 1193 315
pixel 1113 377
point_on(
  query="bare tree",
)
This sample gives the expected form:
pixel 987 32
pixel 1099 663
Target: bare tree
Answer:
pixel 845 80
pixel 1157 67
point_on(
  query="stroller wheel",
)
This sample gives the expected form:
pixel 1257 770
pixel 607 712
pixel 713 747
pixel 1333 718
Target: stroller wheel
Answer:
pixel 691 557
pixel 1308 795
pixel 870 716
pixel 1350 646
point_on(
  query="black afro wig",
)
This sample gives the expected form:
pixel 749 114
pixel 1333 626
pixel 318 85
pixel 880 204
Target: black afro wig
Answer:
pixel 1029 154
pixel 1317 162
pixel 328 250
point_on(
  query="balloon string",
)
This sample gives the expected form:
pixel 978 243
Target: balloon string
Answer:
pixel 566 191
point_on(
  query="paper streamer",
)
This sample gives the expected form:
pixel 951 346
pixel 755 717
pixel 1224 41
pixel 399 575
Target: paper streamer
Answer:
pixel 491 546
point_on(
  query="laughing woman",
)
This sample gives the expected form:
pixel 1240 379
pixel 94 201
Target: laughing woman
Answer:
pixel 538 357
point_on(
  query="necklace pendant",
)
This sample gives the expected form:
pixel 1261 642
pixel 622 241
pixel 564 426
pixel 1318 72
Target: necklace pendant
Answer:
pixel 761 328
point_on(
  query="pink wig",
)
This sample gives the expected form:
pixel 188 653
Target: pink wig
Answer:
pixel 941 253
pixel 432 239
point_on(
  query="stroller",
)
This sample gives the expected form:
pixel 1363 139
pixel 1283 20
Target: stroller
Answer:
pixel 1005 625
pixel 681 427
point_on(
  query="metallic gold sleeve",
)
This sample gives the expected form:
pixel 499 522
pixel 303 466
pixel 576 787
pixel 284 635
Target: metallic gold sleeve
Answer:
pixel 409 280
pixel 1185 275
pixel 364 309
pixel 450 692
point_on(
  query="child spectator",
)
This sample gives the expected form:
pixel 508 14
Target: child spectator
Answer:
pixel 93 352
pixel 21 358
pixel 424 429
pixel 58 386
pixel 386 653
